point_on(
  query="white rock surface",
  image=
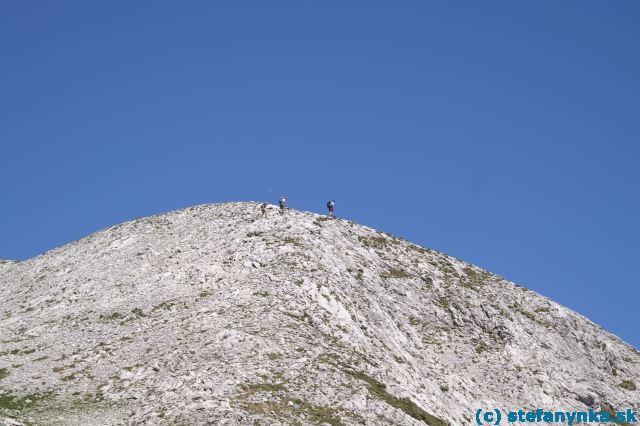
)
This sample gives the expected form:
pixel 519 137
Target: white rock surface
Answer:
pixel 214 315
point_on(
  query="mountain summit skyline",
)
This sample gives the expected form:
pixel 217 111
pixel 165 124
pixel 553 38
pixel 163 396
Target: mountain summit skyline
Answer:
pixel 213 314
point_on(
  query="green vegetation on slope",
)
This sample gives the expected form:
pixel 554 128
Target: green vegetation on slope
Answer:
pixel 378 390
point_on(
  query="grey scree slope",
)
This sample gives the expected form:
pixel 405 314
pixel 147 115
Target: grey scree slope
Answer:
pixel 213 315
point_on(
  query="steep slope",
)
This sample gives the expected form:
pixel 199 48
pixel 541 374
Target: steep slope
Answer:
pixel 213 314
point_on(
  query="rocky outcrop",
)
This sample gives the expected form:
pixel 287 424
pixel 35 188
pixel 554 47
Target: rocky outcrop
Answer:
pixel 213 314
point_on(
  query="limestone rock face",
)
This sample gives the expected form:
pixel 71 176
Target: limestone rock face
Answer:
pixel 215 315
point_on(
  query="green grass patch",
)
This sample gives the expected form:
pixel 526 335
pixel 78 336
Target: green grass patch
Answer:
pixel 612 412
pixel 528 314
pixel 293 241
pixel 317 414
pixel 378 242
pixel 277 405
pixel 533 317
pixel 314 414
pixel 378 390
pixel 473 279
pixel 443 301
pixel 41 408
pixel 481 347
pixel 395 273
pixel 12 402
pixel 164 305
pixel 252 388
pixel 628 384
pixel 419 249
pixel 138 312
pixel 112 316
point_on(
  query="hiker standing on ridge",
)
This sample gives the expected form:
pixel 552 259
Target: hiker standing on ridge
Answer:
pixel 331 205
pixel 263 209
pixel 282 203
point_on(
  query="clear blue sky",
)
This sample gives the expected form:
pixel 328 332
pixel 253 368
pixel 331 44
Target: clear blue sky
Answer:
pixel 503 133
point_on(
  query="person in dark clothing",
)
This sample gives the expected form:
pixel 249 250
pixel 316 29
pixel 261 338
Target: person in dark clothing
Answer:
pixel 331 205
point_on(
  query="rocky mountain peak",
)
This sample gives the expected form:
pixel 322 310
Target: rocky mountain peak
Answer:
pixel 216 314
